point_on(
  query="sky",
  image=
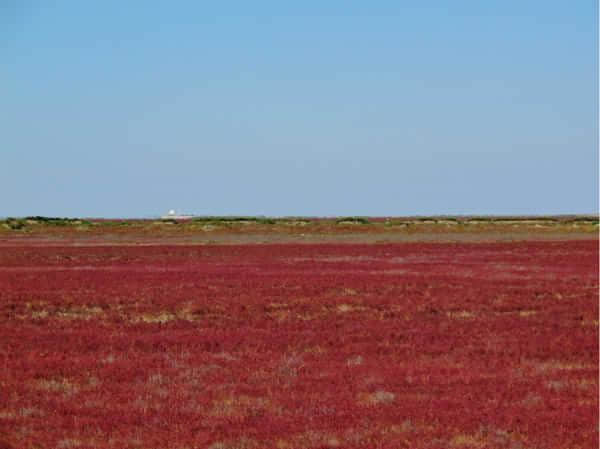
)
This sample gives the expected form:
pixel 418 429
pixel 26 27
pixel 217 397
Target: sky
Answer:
pixel 344 107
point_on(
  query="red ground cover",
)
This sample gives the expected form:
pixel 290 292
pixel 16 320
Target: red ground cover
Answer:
pixel 487 345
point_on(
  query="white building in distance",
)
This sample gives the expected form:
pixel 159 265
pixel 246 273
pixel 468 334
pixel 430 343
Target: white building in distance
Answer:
pixel 172 215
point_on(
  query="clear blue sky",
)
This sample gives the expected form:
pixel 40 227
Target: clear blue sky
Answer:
pixel 131 108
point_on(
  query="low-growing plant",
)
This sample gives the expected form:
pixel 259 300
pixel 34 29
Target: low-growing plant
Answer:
pixel 56 221
pixel 234 219
pixel 299 345
pixel 357 220
pixel 15 224
pixel 586 220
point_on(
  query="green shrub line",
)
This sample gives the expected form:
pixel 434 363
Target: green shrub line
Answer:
pixel 57 221
pixel 38 221
pixel 16 225
pixel 234 219
pixel 358 220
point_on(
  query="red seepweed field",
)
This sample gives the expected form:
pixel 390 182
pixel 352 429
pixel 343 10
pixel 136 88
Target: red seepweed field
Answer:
pixel 403 345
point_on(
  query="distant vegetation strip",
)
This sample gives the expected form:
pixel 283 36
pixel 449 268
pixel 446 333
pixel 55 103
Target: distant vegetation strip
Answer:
pixel 36 222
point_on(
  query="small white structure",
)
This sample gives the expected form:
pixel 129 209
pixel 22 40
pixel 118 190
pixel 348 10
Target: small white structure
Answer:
pixel 172 215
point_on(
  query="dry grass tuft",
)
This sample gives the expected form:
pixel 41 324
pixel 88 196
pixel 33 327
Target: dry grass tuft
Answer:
pixel 159 317
pixel 58 386
pixel 561 365
pixel 464 440
pixel 555 385
pixel 345 308
pixel 69 442
pixel 488 438
pixel 311 439
pixel 355 361
pixel 240 443
pixel 460 314
pixel 241 406
pixel 532 400
pixel 405 426
pixel 377 398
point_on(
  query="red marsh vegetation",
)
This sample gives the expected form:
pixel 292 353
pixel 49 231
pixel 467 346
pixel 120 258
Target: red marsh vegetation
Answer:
pixel 416 345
